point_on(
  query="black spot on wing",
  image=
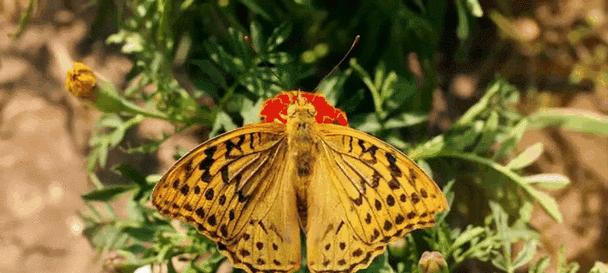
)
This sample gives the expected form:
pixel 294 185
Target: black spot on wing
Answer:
pixel 209 194
pixel 224 174
pixel 206 163
pixel 185 189
pixel 211 220
pixel 415 198
pixel 390 200
pixel 231 146
pixel 200 212
pixel 251 141
pixel 371 151
pixel 392 164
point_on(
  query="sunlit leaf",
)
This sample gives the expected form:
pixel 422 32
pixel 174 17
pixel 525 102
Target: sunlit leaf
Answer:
pixel 527 157
pixel 599 267
pixel 279 35
pixel 577 120
pixel 551 181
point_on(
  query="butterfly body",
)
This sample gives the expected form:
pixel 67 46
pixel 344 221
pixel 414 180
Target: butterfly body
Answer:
pixel 301 144
pixel 253 189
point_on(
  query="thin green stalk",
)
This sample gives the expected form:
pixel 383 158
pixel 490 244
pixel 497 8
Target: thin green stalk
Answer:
pixel 547 202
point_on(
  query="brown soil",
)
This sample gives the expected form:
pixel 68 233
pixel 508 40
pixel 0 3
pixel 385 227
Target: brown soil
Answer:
pixel 43 136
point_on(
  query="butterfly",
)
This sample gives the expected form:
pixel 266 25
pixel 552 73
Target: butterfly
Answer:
pixel 253 189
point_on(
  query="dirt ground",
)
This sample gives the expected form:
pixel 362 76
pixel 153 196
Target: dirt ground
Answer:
pixel 43 136
pixel 43 142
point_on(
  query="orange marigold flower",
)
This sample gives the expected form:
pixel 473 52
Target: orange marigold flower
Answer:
pixel 81 81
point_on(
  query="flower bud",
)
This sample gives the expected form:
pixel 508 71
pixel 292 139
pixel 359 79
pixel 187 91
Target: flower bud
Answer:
pixel 398 248
pixel 81 81
pixel 432 262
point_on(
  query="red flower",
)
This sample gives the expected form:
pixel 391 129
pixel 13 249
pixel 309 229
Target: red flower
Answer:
pixel 276 108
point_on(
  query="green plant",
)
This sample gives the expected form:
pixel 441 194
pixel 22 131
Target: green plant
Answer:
pixel 188 52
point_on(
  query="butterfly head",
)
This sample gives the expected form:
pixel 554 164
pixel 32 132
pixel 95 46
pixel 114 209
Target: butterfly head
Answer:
pixel 301 108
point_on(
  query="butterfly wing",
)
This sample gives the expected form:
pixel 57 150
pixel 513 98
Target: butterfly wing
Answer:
pixel 367 194
pixel 229 188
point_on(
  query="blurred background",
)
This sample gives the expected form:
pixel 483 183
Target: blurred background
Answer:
pixel 554 51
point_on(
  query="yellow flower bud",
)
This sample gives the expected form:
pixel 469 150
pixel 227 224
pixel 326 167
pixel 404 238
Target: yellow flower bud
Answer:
pixel 432 262
pixel 81 81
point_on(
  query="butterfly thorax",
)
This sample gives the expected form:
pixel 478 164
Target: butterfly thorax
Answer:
pixel 301 137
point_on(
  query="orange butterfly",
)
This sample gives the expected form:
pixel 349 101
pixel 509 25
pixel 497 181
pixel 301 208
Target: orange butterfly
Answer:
pixel 253 189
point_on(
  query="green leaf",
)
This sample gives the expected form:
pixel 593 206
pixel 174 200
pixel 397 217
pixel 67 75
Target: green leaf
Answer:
pixel 461 138
pixel 253 6
pixel 547 202
pixel 405 120
pixel 211 71
pixel 222 121
pixel 107 193
pixel 110 121
pixel 371 86
pixel 563 266
pixel 527 157
pixel 279 58
pixel 153 178
pixel 429 149
pixel 278 36
pixel 511 141
pixel 250 112
pixel 551 181
pixel 256 36
pixel 143 233
pixel 576 120
pixel 481 106
pixel 540 266
pixel 127 171
pixel 149 147
pixel 489 133
pixel 526 254
pixel 225 60
pixel 599 267
pixel 365 122
pixel 462 31
pixel 426 168
pixel 467 236
pixel 104 236
pixel 332 87
pixel 475 8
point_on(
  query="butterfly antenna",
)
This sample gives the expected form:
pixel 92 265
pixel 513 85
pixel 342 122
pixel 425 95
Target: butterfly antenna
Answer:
pixel 247 40
pixel 333 70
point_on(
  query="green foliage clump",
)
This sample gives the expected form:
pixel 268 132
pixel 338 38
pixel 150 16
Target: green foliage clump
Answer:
pixel 197 68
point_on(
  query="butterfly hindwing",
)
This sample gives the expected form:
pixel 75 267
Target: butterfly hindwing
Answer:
pixel 226 188
pixel 332 241
pixel 371 194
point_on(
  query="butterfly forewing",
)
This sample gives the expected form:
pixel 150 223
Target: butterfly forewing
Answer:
pixel 227 187
pixel 368 194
